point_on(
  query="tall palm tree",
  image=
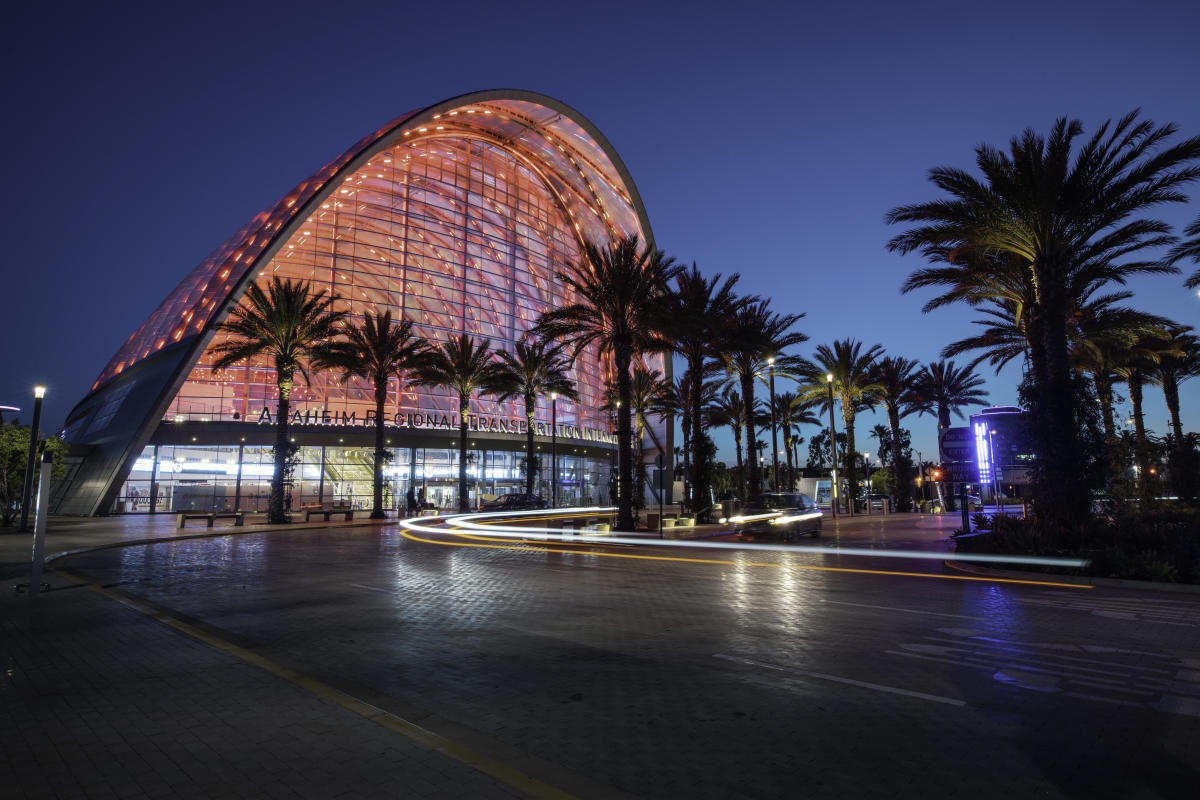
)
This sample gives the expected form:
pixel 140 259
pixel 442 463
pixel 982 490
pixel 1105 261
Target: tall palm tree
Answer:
pixel 1135 368
pixel 675 398
pixel 378 350
pixel 619 293
pixel 536 369
pixel 1055 207
pixel 897 379
pixel 647 390
pixel 945 390
pixel 728 409
pixel 854 385
pixel 791 411
pixel 1181 363
pixel 695 312
pixel 748 338
pixel 290 324
pixel 467 367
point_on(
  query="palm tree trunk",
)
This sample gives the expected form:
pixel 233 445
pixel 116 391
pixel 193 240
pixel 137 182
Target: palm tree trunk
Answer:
pixel 851 468
pixel 943 424
pixel 622 356
pixel 377 483
pixel 701 487
pixel 687 463
pixel 1170 387
pixel 754 484
pixel 1141 454
pixel 899 463
pixel 464 408
pixel 737 443
pixel 787 451
pixel 530 458
pixel 1104 393
pixel 284 379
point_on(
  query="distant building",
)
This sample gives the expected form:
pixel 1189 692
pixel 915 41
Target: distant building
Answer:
pixel 457 216
pixel 1002 451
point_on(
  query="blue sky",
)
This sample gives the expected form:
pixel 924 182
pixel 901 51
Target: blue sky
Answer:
pixel 765 139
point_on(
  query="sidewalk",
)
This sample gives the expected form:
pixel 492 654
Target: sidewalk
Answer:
pixel 102 701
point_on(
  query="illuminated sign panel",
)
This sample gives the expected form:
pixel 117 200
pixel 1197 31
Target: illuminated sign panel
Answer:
pixel 982 452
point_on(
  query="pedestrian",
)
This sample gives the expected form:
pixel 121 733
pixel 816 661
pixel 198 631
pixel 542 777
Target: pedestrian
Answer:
pixel 411 500
pixel 421 497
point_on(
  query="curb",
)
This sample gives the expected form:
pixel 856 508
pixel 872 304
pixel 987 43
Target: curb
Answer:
pixel 1078 580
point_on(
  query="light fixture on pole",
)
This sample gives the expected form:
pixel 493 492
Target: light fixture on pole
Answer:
pixel 774 439
pixel 554 449
pixel 833 490
pixel 27 492
pixel 867 485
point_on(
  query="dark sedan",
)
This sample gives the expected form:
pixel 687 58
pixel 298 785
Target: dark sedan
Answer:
pixel 777 515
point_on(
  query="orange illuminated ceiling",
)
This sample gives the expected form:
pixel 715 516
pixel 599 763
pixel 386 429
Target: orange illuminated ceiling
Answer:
pixel 571 157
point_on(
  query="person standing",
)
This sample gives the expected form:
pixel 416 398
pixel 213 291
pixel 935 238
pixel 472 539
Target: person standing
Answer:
pixel 411 501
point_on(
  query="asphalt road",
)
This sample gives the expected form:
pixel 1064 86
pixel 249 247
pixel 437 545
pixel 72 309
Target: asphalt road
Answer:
pixel 714 674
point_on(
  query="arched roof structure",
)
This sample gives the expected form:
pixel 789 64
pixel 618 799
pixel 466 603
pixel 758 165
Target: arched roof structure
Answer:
pixel 584 176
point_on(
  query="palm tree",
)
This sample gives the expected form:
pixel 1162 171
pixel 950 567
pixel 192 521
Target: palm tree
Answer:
pixel 1178 365
pixel 694 315
pixel 290 324
pixel 1135 368
pixel 727 409
pixel 749 336
pixel 647 388
pixel 536 369
pixel 465 366
pixel 944 390
pixel 898 378
pixel 791 411
pixel 376 349
pixel 619 294
pixel 853 385
pixel 1053 213
pixel 1189 249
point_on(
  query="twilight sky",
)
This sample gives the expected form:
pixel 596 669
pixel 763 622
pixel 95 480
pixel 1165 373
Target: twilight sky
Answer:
pixel 766 139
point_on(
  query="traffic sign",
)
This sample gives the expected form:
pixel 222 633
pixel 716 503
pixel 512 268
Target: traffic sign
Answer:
pixel 960 472
pixel 956 445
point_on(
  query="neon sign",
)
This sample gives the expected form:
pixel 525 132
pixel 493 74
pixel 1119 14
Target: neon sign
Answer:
pixel 982 451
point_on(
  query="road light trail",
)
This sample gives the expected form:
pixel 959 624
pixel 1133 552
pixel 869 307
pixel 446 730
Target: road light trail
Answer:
pixel 489 523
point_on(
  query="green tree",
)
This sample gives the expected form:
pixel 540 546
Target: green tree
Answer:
pixel 854 385
pixel 14 451
pixel 1049 209
pixel 290 324
pixel 376 349
pixel 1189 248
pixel 727 409
pixel 536 369
pixel 792 411
pixel 619 293
pixel 466 367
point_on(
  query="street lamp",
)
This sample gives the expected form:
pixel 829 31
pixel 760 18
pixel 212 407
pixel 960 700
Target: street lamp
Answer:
pixel 774 440
pixel 867 491
pixel 27 492
pixel 833 490
pixel 554 450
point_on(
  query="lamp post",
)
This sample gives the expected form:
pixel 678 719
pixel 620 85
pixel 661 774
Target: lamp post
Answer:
pixel 27 492
pixel 774 440
pixel 833 489
pixel 554 450
pixel 867 470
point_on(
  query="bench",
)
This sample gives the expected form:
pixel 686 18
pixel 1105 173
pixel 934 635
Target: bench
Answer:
pixel 326 513
pixel 237 516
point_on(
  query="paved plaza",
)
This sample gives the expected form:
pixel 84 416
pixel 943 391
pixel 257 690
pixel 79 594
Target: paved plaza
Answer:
pixel 339 660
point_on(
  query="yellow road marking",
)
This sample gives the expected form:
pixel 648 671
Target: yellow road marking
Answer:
pixel 423 736
pixel 535 549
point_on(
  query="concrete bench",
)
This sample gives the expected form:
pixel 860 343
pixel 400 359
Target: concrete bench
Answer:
pixel 327 513
pixel 237 516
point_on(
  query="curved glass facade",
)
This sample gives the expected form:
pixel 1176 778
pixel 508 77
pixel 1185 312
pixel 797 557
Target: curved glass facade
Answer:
pixel 456 217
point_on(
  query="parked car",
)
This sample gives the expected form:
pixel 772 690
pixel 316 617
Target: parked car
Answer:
pixel 778 515
pixel 516 501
